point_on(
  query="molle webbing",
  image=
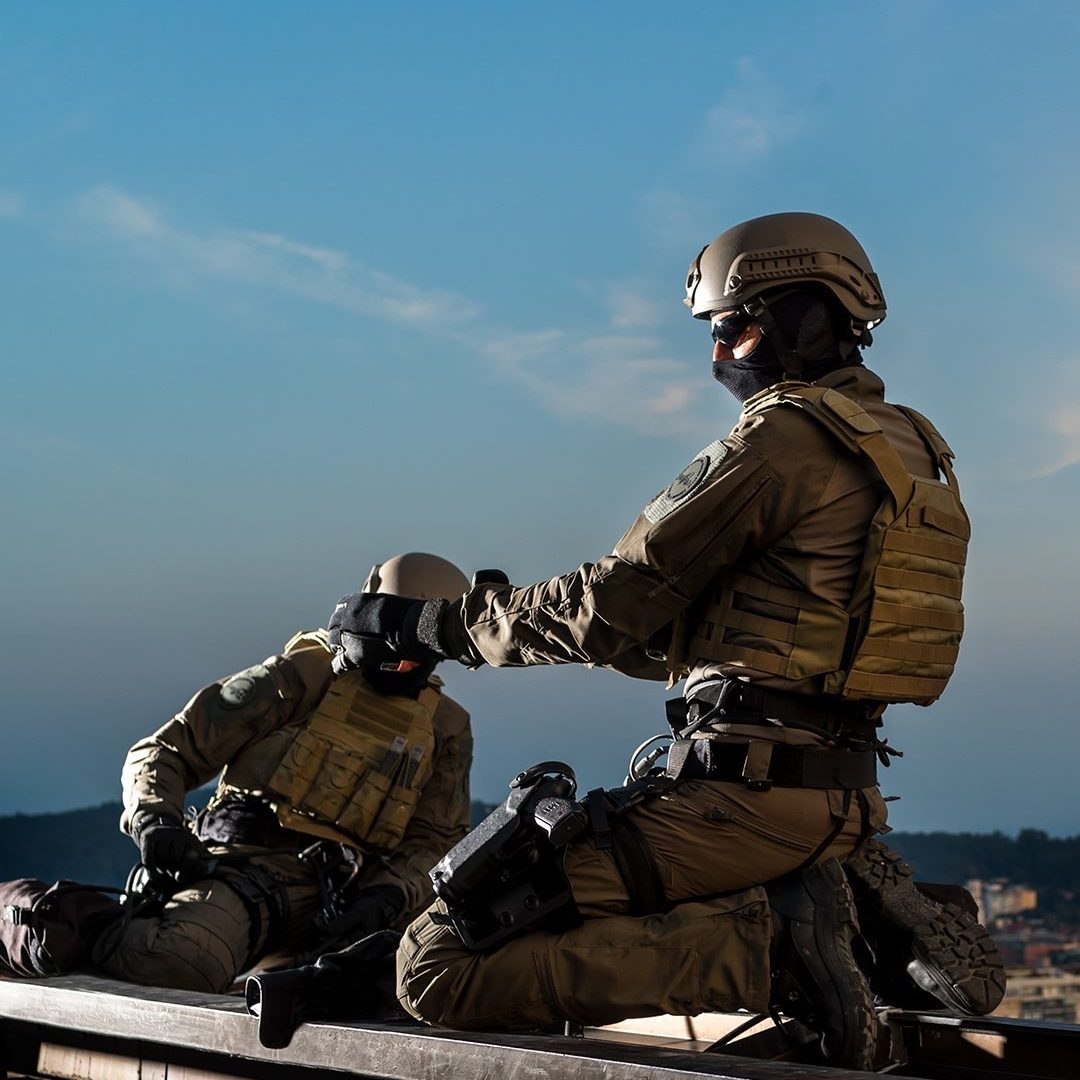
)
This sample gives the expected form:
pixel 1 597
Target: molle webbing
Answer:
pixel 355 771
pixel 907 595
pixel 899 639
pixel 770 628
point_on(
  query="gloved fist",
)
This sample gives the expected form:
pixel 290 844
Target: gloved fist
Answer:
pixel 166 846
pixel 376 908
pixel 369 629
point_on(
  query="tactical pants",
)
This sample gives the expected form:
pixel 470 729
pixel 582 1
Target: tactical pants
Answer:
pixel 713 845
pixel 206 935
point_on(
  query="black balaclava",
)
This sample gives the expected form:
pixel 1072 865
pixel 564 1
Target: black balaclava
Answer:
pixel 807 322
pixel 400 683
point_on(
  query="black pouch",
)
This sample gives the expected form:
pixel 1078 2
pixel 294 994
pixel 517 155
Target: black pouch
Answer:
pixel 239 820
pixel 51 929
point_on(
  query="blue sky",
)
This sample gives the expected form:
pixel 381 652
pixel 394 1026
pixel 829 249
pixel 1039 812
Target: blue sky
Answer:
pixel 288 288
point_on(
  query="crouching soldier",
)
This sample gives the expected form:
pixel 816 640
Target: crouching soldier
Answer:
pixel 336 796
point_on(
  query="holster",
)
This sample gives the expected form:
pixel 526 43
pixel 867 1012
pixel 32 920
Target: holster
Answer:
pixel 507 874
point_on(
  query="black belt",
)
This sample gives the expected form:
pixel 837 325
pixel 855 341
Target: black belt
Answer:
pixel 761 765
pixel 734 700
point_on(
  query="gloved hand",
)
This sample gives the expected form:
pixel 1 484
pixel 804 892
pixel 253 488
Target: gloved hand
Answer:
pixel 374 909
pixel 166 846
pixel 375 628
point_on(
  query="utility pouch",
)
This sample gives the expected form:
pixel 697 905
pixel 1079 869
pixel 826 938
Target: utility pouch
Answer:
pixel 394 816
pixel 359 815
pixel 507 873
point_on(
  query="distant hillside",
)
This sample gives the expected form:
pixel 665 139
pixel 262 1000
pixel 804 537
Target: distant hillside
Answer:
pixel 87 846
pixel 1049 864
pixel 83 845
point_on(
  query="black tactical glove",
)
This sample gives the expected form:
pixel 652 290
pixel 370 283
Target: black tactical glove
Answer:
pixel 374 909
pixel 166 846
pixel 369 629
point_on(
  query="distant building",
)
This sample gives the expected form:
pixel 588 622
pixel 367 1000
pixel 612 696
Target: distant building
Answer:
pixel 999 897
pixel 1042 994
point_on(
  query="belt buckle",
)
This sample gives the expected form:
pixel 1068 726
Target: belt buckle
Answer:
pixel 755 770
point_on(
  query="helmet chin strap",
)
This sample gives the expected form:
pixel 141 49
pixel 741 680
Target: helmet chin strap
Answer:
pixel 789 359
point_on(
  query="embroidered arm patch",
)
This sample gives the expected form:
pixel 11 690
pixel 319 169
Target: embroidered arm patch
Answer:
pixel 238 690
pixel 687 482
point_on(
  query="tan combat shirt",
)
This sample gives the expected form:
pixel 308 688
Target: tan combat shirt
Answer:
pixel 780 498
pixel 208 735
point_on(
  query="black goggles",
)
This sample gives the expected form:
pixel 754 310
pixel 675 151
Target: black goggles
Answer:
pixel 730 328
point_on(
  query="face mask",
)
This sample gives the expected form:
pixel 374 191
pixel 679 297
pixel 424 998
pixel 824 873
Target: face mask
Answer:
pixel 398 683
pixel 750 375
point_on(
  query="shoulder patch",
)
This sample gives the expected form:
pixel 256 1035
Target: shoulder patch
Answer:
pixel 238 690
pixel 687 482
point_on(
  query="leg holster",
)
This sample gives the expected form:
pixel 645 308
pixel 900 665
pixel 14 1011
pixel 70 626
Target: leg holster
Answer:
pixel 507 874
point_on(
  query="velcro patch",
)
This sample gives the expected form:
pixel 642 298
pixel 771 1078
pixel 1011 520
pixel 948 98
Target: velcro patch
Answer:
pixel 687 482
pixel 238 690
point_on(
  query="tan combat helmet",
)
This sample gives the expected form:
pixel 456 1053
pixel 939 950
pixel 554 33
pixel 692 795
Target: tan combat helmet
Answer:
pixel 784 249
pixel 418 575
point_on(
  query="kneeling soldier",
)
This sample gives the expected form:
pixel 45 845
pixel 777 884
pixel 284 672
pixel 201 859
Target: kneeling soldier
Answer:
pixel 801 573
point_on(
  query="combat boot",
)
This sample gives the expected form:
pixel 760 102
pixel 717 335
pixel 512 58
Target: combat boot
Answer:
pixel 920 944
pixel 815 978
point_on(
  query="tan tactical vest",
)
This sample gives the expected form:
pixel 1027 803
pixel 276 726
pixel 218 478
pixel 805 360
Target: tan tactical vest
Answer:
pixel 899 639
pixel 354 769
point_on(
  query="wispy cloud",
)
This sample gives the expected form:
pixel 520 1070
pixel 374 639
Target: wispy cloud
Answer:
pixel 320 274
pixel 616 377
pixel 1065 422
pixel 750 120
pixel 748 124
pixel 12 204
pixel 632 306
pixel 621 374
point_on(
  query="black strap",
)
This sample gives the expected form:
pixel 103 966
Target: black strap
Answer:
pixel 597 806
pixel 263 897
pixel 633 857
pixel 864 811
pixel 675 709
pixel 613 830
pixel 790 766
pixel 679 758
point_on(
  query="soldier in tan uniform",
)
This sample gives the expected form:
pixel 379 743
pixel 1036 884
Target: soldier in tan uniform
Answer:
pixel 333 790
pixel 800 574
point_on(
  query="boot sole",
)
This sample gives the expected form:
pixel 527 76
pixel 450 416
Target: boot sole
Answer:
pixel 949 953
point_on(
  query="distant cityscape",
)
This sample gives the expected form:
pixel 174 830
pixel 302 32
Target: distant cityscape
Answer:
pixel 1041 952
